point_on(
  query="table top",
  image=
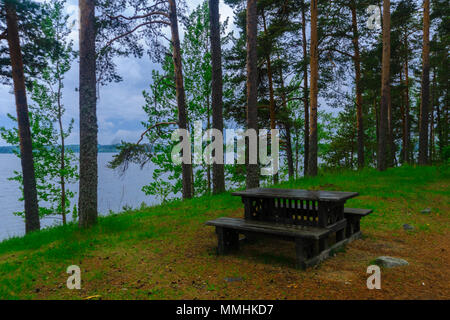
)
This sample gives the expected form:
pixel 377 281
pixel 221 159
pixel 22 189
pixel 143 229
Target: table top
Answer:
pixel 297 194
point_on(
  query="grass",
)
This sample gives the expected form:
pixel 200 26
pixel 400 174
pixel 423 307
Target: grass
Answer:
pixel 166 252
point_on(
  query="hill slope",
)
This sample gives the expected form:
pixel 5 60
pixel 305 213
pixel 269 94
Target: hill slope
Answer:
pixel 166 252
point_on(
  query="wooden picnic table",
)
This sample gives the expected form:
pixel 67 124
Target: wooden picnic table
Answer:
pixel 299 207
pixel 310 218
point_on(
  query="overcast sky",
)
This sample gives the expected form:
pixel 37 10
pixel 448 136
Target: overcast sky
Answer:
pixel 119 108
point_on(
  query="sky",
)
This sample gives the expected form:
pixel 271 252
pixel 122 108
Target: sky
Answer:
pixel 119 108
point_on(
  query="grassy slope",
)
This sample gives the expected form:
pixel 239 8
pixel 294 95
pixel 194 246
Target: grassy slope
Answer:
pixel 166 251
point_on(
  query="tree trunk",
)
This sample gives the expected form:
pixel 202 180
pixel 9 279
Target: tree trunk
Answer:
pixel 208 127
pixel 403 113
pixel 252 180
pixel 432 132
pixel 312 162
pixel 305 92
pixel 32 222
pixel 407 146
pixel 377 122
pixel 289 153
pixel 63 150
pixel 273 123
pixel 385 88
pixel 425 95
pixel 217 90
pixel 181 96
pixel 88 212
pixel 391 143
pixel 359 99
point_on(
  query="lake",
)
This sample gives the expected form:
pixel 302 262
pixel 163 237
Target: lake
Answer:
pixel 115 191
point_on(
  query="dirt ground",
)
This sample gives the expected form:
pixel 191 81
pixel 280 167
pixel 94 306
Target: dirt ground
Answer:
pixel 185 266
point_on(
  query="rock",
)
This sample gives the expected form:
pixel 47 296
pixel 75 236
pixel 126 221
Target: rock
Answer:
pixel 229 279
pixel 390 262
pixel 426 211
pixel 407 227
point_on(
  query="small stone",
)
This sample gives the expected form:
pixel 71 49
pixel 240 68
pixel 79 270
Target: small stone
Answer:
pixel 229 279
pixel 390 262
pixel 426 211
pixel 407 227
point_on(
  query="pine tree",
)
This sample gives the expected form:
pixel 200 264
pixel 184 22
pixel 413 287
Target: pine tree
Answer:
pixel 425 87
pixel 385 89
pixel 18 74
pixel 88 211
pixel 314 65
pixel 252 89
pixel 217 89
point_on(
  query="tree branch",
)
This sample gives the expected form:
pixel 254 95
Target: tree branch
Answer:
pixel 121 16
pixel 154 126
pixel 295 98
pixel 342 52
pixel 4 35
pixel 109 43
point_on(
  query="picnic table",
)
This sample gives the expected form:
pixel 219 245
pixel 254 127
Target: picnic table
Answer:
pixel 317 221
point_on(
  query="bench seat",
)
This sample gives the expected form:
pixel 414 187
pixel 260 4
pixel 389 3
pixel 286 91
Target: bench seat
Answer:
pixel 357 212
pixel 354 217
pixel 293 231
pixel 311 243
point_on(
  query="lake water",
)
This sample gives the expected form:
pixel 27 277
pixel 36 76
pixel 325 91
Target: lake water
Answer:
pixel 115 191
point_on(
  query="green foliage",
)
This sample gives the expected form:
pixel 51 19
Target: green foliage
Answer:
pixel 54 164
pixel 34 42
pixel 47 157
pixel 162 112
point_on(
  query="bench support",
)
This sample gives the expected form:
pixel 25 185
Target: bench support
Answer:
pixel 300 253
pixel 340 235
pixel 353 226
pixel 228 240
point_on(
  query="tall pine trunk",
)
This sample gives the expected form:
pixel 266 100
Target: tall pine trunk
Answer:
pixel 305 92
pixel 32 222
pixel 62 164
pixel 432 122
pixel 403 114
pixel 287 127
pixel 407 121
pixel 181 96
pixel 252 180
pixel 88 212
pixel 425 94
pixel 313 137
pixel 385 89
pixel 217 90
pixel 273 123
pixel 359 99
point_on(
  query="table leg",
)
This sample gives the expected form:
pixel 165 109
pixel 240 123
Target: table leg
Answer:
pixel 228 240
pixel 323 244
pixel 300 251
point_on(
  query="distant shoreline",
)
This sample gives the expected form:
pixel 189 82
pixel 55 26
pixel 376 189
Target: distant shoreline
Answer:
pixel 74 148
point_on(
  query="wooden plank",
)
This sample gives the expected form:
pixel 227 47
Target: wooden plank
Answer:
pixel 337 226
pixel 297 194
pixel 270 228
pixel 358 212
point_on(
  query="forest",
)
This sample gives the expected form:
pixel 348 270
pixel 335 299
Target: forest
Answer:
pixel 348 84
